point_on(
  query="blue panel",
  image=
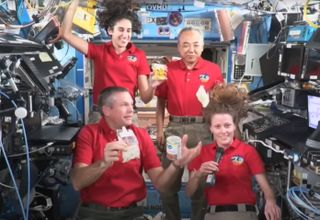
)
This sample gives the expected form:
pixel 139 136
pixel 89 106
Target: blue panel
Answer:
pixel 75 79
pixel 80 79
pixel 23 17
pixel 22 13
pixel 165 23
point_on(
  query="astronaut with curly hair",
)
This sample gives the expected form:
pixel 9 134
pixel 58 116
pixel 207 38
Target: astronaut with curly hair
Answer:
pixel 230 196
pixel 117 62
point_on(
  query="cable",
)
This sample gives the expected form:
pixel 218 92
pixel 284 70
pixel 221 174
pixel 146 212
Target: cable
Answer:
pixel 13 180
pixel 266 145
pixel 42 207
pixel 34 151
pixel 7 186
pixel 299 199
pixel 26 213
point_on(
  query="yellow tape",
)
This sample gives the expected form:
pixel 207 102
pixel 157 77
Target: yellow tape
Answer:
pixel 312 24
pixel 85 18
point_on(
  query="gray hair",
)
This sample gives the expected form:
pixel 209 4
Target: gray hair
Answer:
pixel 106 97
pixel 189 28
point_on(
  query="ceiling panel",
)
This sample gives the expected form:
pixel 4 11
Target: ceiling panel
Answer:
pixel 232 2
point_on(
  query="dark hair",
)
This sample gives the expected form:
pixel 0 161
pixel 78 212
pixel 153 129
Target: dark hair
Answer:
pixel 227 99
pixel 116 10
pixel 106 96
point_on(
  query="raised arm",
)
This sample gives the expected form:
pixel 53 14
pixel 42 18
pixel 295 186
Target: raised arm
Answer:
pixel 83 175
pixel 163 178
pixel 146 89
pixel 66 29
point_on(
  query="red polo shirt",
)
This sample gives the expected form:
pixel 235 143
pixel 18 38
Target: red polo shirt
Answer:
pixel 111 69
pixel 122 184
pixel 239 163
pixel 182 84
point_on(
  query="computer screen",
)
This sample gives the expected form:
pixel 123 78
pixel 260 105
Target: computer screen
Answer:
pixel 313 111
pixel 311 64
pixel 40 68
pixel 291 60
pixel 269 63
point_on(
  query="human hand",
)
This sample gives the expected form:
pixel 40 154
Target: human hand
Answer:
pixel 166 59
pixel 112 152
pixel 187 155
pixel 271 210
pixel 155 83
pixel 158 74
pixel 59 33
pixel 208 167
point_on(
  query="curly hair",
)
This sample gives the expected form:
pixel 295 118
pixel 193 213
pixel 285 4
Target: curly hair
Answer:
pixel 116 10
pixel 227 98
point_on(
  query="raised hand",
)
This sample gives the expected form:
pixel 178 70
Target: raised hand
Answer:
pixel 112 152
pixel 187 155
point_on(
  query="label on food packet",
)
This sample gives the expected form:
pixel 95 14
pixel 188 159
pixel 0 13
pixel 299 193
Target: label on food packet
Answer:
pixel 132 150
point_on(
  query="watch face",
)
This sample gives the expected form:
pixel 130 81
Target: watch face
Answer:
pixel 175 18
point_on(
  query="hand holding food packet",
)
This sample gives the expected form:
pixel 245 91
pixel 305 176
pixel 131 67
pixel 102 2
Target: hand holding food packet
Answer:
pixel 132 150
pixel 159 71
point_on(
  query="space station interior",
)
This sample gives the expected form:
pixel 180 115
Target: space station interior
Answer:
pixel 270 48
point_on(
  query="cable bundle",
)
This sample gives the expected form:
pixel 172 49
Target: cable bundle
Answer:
pixel 304 202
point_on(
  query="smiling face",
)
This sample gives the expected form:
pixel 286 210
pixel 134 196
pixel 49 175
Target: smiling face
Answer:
pixel 121 34
pixel 120 112
pixel 190 46
pixel 223 129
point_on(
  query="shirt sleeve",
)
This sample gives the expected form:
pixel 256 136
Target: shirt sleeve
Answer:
pixel 93 51
pixel 254 161
pixel 149 155
pixel 83 151
pixel 195 164
pixel 143 68
pixel 162 90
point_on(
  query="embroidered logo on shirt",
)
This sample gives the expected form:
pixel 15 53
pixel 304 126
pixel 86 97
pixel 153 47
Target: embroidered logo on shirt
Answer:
pixel 132 58
pixel 237 160
pixel 204 77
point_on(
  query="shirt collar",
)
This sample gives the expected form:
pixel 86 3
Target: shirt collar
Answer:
pixel 131 48
pixel 197 66
pixel 105 127
pixel 235 143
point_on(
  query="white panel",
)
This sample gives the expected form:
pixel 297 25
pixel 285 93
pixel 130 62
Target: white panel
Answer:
pixel 254 52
